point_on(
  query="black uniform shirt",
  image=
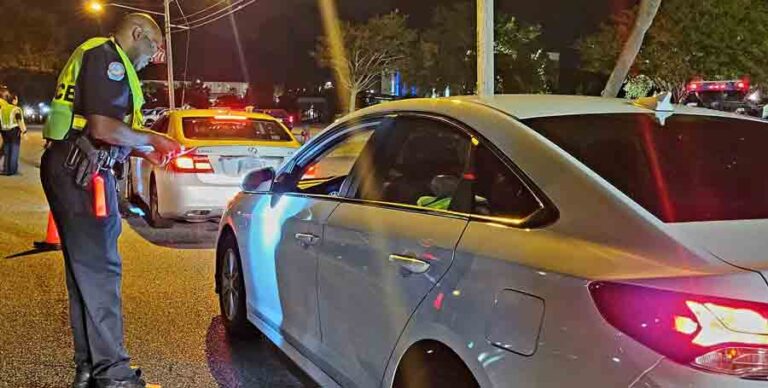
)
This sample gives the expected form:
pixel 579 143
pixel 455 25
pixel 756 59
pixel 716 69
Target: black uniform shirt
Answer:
pixel 103 89
pixel 102 86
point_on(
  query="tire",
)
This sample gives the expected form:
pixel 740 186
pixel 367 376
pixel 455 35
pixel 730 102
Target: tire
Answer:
pixel 232 288
pixel 130 192
pixel 154 218
pixel 431 364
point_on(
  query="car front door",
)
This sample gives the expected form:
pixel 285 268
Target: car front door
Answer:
pixel 288 230
pixel 390 242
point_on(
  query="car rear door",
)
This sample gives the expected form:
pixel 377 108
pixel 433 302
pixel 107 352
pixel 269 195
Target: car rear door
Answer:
pixel 381 252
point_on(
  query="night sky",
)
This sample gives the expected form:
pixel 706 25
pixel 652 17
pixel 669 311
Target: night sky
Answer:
pixel 277 35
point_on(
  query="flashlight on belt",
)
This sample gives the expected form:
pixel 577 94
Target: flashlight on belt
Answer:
pixel 99 197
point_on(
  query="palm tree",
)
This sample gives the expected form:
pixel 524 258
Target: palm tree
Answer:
pixel 645 15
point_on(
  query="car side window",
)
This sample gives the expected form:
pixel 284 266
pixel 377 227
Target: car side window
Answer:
pixel 161 126
pixel 421 162
pixel 498 192
pixel 326 172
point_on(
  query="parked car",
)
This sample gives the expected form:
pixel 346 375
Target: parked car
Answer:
pixel 151 115
pixel 544 241
pixel 197 185
pixel 281 114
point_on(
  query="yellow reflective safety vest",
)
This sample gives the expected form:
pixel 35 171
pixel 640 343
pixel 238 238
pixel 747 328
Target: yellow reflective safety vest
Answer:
pixel 8 113
pixel 62 118
pixel 3 104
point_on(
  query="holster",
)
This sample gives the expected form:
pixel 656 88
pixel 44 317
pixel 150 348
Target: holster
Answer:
pixel 86 160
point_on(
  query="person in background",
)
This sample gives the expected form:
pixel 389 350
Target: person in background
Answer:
pixel 4 97
pixel 13 127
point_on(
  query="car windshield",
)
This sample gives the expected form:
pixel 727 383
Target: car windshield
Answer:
pixel 236 128
pixel 693 168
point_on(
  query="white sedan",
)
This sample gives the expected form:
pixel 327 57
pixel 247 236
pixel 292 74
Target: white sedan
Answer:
pixel 197 186
pixel 531 241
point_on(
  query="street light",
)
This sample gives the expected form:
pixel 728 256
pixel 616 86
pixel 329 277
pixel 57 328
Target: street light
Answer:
pixel 98 7
pixel 95 7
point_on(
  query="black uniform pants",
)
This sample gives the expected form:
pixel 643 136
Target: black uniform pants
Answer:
pixel 11 146
pixel 93 266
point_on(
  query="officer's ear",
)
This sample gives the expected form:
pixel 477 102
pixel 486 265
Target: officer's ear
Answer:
pixel 136 33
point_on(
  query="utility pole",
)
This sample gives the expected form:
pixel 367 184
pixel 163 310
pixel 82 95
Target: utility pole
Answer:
pixel 485 48
pixel 169 56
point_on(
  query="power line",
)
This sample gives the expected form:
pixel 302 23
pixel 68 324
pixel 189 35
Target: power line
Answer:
pixel 239 8
pixel 214 14
pixel 204 10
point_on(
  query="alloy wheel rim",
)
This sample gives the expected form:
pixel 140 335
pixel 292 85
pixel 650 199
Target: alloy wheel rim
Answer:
pixel 229 285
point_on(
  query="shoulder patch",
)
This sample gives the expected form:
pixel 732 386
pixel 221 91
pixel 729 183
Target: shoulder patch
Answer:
pixel 116 71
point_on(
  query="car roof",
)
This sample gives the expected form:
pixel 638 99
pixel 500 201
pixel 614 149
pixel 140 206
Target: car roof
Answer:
pixel 528 106
pixel 220 112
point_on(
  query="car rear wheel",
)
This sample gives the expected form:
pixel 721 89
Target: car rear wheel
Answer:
pixel 155 220
pixel 232 288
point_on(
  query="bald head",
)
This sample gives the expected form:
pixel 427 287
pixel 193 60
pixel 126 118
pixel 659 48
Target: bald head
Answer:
pixel 140 37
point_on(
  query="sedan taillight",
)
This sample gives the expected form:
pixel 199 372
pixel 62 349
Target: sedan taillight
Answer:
pixel 192 164
pixel 720 335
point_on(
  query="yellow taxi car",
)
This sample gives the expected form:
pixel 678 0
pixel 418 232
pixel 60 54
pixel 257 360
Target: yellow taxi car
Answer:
pixel 224 146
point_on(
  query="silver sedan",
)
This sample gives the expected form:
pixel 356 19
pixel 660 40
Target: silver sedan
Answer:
pixel 545 241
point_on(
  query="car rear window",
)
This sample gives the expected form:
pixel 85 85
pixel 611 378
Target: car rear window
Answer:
pixel 693 168
pixel 210 128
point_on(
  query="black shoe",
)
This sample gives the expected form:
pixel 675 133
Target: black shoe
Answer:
pixel 133 382
pixel 82 377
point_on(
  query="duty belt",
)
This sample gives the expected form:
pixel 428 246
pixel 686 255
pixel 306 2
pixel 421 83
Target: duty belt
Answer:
pixel 86 160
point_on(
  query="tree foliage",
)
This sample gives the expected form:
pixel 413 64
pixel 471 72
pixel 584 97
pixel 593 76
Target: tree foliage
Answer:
pixel 372 48
pixel 446 54
pixel 712 39
pixel 32 38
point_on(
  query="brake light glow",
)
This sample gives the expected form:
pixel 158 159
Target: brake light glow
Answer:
pixel 192 164
pixel 241 118
pixel 720 335
pixel 310 173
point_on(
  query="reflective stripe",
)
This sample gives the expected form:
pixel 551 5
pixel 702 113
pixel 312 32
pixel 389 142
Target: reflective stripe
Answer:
pixel 79 122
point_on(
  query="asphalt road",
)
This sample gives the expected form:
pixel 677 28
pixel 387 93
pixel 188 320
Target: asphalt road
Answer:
pixel 173 328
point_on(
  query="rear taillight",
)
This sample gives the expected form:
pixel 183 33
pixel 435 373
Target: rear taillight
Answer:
pixel 192 164
pixel 717 334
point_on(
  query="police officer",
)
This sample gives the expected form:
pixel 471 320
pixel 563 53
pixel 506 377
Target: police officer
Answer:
pixel 95 122
pixel 13 127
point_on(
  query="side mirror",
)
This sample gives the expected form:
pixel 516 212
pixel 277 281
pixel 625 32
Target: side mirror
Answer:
pixel 258 180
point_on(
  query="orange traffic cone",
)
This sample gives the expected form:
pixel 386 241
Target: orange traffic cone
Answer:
pixel 52 241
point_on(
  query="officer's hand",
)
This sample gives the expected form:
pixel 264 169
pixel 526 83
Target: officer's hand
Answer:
pixel 157 158
pixel 165 145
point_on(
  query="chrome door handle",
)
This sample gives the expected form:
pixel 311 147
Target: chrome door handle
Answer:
pixel 411 264
pixel 307 239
